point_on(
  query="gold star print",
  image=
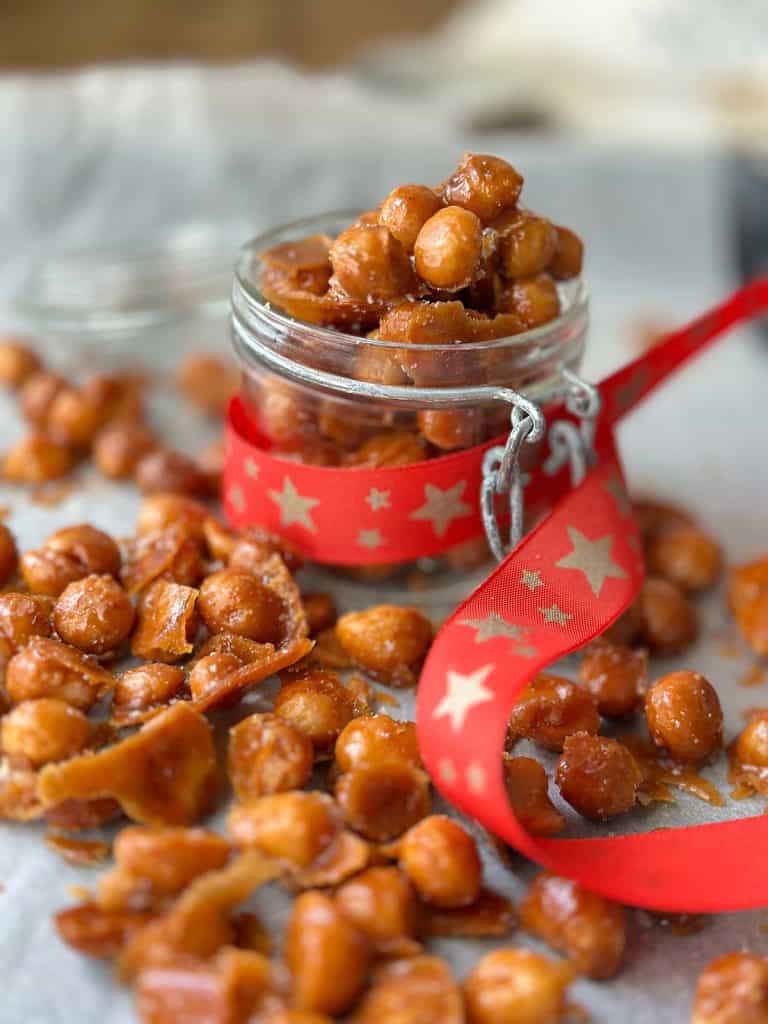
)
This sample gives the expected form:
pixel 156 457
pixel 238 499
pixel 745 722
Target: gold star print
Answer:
pixel 593 559
pixel 236 497
pixel 447 771
pixel 555 614
pixel 378 499
pixel 251 469
pixel 492 626
pixel 463 692
pixel 441 507
pixel 370 539
pixel 476 778
pixel 525 651
pixel 615 488
pixel 531 579
pixel 294 507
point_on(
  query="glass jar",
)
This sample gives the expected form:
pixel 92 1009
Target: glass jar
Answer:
pixel 317 395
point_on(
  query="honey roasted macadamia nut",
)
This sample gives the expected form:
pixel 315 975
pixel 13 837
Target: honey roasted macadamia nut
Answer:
pixel 684 716
pixel 733 989
pixel 669 621
pixel 551 709
pixel 18 361
pixel 388 641
pixel 516 986
pixel 370 263
pixel 448 248
pixel 486 185
pixel 616 676
pixel 598 776
pixel 43 730
pixel 405 211
pixel 267 754
pixel 94 614
pixel 441 860
pixel 236 602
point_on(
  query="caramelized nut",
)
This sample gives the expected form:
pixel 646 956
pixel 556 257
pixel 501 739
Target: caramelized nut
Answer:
pixel 616 677
pixel 382 904
pixel 37 458
pixel 369 263
pixel 752 743
pixel 486 185
pixel 73 418
pixel 296 826
pixel 235 602
pixel 552 708
pixel 388 641
pixel 684 715
pixel 590 930
pixel 68 555
pixel 267 754
pixel 733 989
pixel 318 704
pixel 598 776
pixel 37 396
pixel 569 255
pixel 320 610
pixel 43 730
pixel 159 511
pixel 94 614
pixel 534 300
pixel 684 555
pixel 405 211
pixel 147 686
pixel 516 986
pixel 48 668
pixel 23 616
pixel 166 617
pixel 119 447
pixel 669 623
pixel 748 600
pixel 382 801
pixel 17 362
pixel 207 381
pixel 415 990
pixel 442 862
pixel 527 789
pixel 448 248
pixel 164 470
pixel 527 243
pixel 8 554
pixel 99 933
pixel 376 739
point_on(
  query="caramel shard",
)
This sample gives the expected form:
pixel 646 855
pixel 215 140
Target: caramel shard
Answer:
pixel 164 615
pixel 270 661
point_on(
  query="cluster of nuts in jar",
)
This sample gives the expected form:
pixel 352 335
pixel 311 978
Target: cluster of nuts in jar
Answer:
pixel 104 419
pixel 377 873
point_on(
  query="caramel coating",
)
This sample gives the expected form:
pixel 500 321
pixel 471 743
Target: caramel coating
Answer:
pixel 414 990
pixel 170 553
pixel 235 602
pixel 527 243
pixel 294 826
pixel 165 621
pixel 94 614
pixel 527 788
pixel 388 641
pixel 320 610
pixel 147 686
pixel 327 956
pixel 381 903
pixel 616 676
pixel 669 622
pixel 686 556
pixel 73 418
pixel 49 668
pixel 382 801
pixel 75 551
pixel 552 708
pixel 23 616
pixel 17 362
pixel 43 730
pixel 442 862
pixel 207 381
pixel 167 509
pixel 449 429
pixel 211 671
pixel 390 448
pixel 375 740
pixel 36 459
pixel 295 1017
pixel 516 986
pixel 448 248
pixel 748 600
pixel 426 323
pixel 405 211
pixel 684 716
pixel 569 255
pixel 318 704
pixel 484 184
pixel 598 776
pixel 96 932
pixel 164 470
pixel 370 263
pixel 8 554
pixel 733 989
pixel 752 743
pixel 534 300
pixel 37 396
pixel 590 930
pixel 119 447
pixel 267 754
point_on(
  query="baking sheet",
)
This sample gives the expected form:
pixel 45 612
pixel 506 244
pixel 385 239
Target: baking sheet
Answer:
pixel 271 147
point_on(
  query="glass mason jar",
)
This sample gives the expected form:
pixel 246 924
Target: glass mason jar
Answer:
pixel 317 395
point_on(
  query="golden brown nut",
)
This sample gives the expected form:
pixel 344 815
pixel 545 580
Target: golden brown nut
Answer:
pixel 390 448
pixel 164 774
pixel 147 686
pixel 733 989
pixel 381 801
pixel 99 933
pixel 669 622
pixel 170 553
pixel 320 610
pixel 684 716
pixel 442 862
pixel 8 554
pixel 382 904
pixel 516 986
pixel 590 930
pixel 616 676
pixel 166 509
pixel 527 243
pixel 448 249
pixel 165 470
pixel 267 754
pixel 534 300
pixel 94 614
pixel 406 209
pixel 569 255
pixel 376 740
pixel 236 602
pixel 527 789
pixel 73 418
pixel 425 323
pixel 166 620
pixel 388 641
pixel 751 746
pixel 17 361
pixel 414 990
pixel 119 446
pixel 295 1017
pixel 449 429
pixel 369 263
pixel 207 381
pixel 317 703
pixel 211 671
pixel 48 668
pixel 43 730
pixel 550 709
pixel 37 396
pixel 222 689
pixel 598 776
pixel 748 599
pixel 23 616
pixel 484 184
pixel 36 458
pixel 684 555
pixel 92 549
pixel 326 955
pixel 296 826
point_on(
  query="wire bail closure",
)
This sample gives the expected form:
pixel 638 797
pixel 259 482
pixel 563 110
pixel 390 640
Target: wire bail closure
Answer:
pixel 568 442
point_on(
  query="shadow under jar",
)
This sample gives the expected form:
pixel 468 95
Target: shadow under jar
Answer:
pixel 317 395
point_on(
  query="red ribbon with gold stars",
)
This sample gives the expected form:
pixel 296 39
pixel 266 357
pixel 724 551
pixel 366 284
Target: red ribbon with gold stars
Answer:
pixel 563 585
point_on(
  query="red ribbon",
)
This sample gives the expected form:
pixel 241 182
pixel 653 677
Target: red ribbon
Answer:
pixel 564 584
